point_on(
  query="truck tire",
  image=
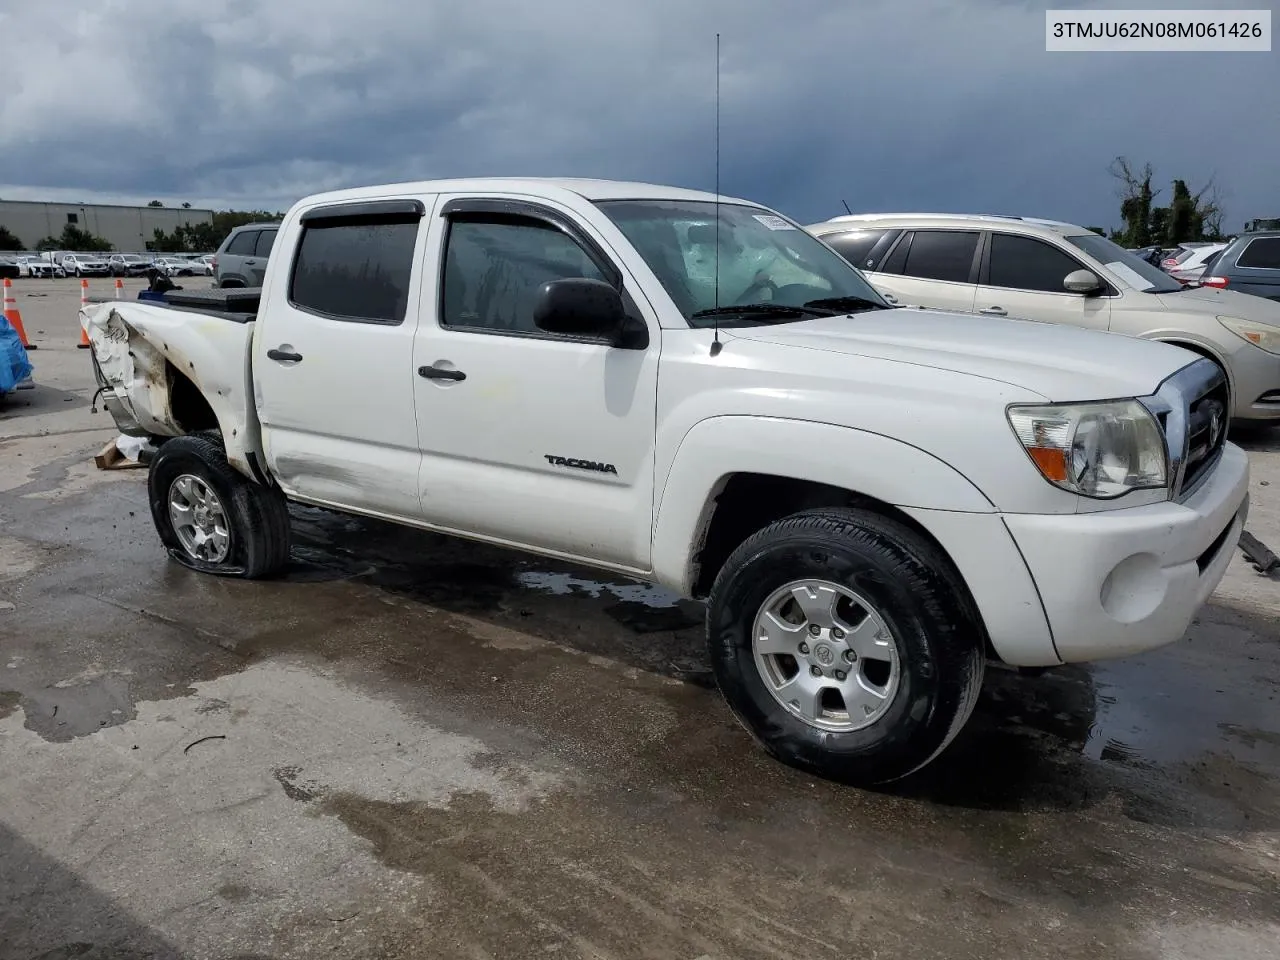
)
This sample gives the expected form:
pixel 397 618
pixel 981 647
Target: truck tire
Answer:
pixel 846 644
pixel 210 517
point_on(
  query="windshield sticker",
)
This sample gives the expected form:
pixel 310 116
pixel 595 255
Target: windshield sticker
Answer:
pixel 1130 276
pixel 772 222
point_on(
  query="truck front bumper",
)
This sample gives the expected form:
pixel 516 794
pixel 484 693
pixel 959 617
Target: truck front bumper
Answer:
pixel 1122 581
pixel 1094 586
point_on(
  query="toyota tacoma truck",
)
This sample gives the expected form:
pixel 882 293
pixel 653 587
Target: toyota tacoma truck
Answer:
pixel 874 502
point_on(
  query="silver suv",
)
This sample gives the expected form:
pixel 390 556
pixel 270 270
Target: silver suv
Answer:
pixel 241 261
pixel 1058 272
pixel 1249 264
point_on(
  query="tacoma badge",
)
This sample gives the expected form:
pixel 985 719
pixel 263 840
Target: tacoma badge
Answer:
pixel 581 464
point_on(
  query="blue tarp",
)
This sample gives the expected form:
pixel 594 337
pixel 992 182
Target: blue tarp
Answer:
pixel 14 365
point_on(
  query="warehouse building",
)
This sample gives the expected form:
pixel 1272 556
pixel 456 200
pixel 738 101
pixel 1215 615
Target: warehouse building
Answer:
pixel 125 228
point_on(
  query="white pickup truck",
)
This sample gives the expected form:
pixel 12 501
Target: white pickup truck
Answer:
pixel 874 501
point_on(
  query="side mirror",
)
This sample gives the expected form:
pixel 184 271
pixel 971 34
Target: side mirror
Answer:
pixel 1082 281
pixel 579 307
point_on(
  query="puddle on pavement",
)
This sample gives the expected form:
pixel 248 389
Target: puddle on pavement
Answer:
pixel 65 711
pixel 1160 710
pixel 465 577
pixel 564 584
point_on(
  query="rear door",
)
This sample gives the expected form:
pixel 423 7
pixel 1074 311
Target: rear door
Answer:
pixel 332 358
pixel 1022 277
pixel 233 263
pixel 256 266
pixel 530 438
pixel 931 268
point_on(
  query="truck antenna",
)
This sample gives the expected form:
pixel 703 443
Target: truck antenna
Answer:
pixel 846 207
pixel 716 345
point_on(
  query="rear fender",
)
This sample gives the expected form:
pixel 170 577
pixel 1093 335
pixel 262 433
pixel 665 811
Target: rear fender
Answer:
pixel 138 347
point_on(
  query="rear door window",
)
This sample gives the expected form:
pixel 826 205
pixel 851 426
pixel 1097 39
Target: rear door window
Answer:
pixel 942 255
pixel 265 240
pixel 355 269
pixel 1262 253
pixel 242 244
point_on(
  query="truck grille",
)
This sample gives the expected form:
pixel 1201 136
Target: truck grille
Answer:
pixel 1193 408
pixel 1206 433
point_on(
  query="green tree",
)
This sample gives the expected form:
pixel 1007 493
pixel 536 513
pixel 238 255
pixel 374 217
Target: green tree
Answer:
pixel 1188 217
pixel 155 203
pixel 1099 230
pixel 8 241
pixel 48 243
pixel 73 238
pixel 162 242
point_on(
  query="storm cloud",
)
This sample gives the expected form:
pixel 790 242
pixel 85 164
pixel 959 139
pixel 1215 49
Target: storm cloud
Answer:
pixel 908 105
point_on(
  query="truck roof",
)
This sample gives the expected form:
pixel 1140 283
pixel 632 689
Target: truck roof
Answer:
pixel 548 187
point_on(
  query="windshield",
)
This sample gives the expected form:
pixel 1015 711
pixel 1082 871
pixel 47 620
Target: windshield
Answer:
pixel 763 260
pixel 1134 271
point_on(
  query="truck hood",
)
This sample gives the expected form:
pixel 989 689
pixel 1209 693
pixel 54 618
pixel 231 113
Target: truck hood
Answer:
pixel 1058 362
pixel 1212 302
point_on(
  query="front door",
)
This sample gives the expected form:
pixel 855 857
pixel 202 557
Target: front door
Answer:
pixel 1023 278
pixel 332 359
pixel 529 438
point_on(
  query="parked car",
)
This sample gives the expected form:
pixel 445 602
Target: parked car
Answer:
pixel 127 265
pixel 697 393
pixel 1062 273
pixel 85 265
pixel 174 266
pixel 1249 264
pixel 241 261
pixel 1152 255
pixel 1180 254
pixel 9 268
pixel 41 266
pixel 1190 269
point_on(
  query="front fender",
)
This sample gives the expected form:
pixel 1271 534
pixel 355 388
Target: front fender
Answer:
pixel 866 463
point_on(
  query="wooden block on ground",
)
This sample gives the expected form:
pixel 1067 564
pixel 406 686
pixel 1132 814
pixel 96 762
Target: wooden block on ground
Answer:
pixel 110 458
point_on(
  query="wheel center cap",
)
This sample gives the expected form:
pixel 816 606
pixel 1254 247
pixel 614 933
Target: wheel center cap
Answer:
pixel 824 654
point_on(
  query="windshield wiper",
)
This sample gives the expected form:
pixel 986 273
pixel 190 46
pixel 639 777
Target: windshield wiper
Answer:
pixel 847 304
pixel 762 309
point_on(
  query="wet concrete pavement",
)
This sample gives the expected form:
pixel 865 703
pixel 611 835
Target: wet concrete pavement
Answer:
pixel 417 747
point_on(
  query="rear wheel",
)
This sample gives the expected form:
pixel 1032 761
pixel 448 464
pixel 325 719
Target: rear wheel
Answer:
pixel 212 518
pixel 847 645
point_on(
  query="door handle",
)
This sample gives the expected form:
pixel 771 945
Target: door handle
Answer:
pixel 284 356
pixel 995 312
pixel 437 373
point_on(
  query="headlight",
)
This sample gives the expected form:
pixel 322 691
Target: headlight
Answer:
pixel 1099 450
pixel 1259 334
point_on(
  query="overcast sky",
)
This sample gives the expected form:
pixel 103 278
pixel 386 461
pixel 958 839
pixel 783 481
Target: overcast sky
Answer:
pixel 884 104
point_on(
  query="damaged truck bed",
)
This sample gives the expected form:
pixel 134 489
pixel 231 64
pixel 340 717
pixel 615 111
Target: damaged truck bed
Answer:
pixel 179 368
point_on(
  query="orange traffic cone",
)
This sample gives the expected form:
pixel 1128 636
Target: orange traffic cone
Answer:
pixel 84 302
pixel 119 288
pixel 12 315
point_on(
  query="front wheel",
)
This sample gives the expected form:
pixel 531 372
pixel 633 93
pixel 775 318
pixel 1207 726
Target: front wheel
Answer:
pixel 846 643
pixel 210 517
